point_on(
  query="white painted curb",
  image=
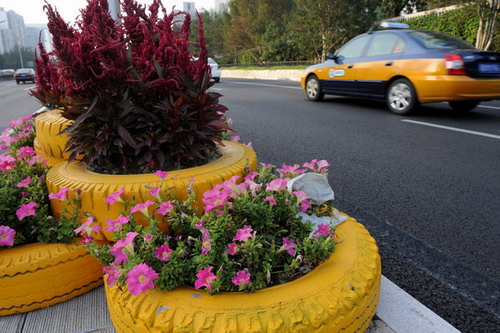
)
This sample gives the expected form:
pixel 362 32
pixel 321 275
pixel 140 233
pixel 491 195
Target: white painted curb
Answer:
pixel 404 314
pixel 264 74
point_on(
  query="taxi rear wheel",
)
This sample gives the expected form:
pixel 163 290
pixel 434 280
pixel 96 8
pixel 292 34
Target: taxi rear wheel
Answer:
pixel 401 97
pixel 463 106
pixel 313 89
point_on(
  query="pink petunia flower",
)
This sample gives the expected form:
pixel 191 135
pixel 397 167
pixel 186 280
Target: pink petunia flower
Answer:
pixel 235 138
pixel 310 165
pixel 7 235
pixel 161 174
pixel 205 277
pixel 113 274
pixel 25 182
pixel 142 207
pixel 232 248
pixel 7 162
pixel 206 244
pixel 270 199
pixel 241 278
pixel 116 225
pixel 122 247
pixel 165 207
pixel 155 192
pixel 61 195
pixel 290 170
pixel 163 252
pixel 140 279
pixel 289 246
pixel 26 210
pixel 251 176
pixel 86 228
pixel 114 197
pixel 148 237
pixel 305 205
pixel 266 166
pixel 3 146
pixel 277 185
pixel 37 159
pixel 243 234
pixel 214 199
pixel 25 152
pixel 323 230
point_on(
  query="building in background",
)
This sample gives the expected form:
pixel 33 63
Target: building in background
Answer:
pixel 221 6
pixel 12 31
pixel 35 31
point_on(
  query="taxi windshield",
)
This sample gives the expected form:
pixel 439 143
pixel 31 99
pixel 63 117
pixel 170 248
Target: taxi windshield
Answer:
pixel 439 40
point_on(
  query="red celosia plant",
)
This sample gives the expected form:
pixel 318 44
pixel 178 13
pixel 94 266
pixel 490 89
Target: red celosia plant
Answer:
pixel 139 100
pixel 48 89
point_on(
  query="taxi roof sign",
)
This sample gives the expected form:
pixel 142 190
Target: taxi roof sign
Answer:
pixel 394 25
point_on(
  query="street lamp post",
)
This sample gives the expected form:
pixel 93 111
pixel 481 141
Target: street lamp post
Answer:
pixel 114 9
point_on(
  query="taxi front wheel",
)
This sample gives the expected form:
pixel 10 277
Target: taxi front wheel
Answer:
pixel 313 89
pixel 401 97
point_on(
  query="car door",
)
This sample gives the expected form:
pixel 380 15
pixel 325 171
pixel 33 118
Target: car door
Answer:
pixel 379 64
pixel 339 77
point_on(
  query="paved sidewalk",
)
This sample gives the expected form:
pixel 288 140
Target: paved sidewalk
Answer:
pixel 397 312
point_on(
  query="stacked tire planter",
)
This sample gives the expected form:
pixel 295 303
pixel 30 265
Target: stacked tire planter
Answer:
pixel 96 187
pixel 340 295
pixel 38 275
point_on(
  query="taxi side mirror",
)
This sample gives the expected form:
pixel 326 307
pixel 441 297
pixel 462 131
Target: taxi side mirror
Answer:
pixel 331 56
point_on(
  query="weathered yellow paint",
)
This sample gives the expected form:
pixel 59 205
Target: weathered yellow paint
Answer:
pixel 37 275
pixel 96 187
pixel 340 295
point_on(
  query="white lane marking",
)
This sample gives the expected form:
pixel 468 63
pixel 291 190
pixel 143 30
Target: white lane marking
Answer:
pixel 489 107
pixel 452 129
pixel 267 85
pixel 218 89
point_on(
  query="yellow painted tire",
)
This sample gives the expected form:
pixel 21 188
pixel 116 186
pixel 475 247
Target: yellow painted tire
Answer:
pixel 34 276
pixel 47 127
pixel 51 161
pixel 96 187
pixel 340 295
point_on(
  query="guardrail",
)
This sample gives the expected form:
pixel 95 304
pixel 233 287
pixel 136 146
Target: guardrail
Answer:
pixel 273 64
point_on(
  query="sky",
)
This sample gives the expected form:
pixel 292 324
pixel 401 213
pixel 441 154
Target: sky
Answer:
pixel 32 12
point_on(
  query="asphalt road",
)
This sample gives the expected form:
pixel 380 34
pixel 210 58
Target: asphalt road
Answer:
pixel 429 195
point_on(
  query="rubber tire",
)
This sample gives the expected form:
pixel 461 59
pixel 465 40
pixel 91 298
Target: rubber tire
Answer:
pixel 96 187
pixel 51 161
pixel 47 127
pixel 340 295
pixel 318 96
pixel 17 82
pixel 412 106
pixel 463 106
pixel 217 80
pixel 37 275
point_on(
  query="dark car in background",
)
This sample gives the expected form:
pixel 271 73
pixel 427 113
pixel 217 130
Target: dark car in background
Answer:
pixel 24 74
pixel 407 67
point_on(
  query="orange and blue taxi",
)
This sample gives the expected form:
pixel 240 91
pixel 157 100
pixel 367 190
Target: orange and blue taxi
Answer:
pixel 406 68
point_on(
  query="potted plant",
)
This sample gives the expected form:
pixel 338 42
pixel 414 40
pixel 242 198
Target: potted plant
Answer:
pixel 251 262
pixel 139 102
pixel 41 262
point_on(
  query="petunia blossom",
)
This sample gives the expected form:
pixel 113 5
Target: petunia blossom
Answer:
pixel 235 138
pixel 243 234
pixel 25 152
pixel 155 192
pixel 114 197
pixel 161 174
pixel 7 235
pixel 7 162
pixel 165 207
pixel 61 195
pixel 86 228
pixel 142 207
pixel 270 199
pixel 116 225
pixel 241 278
pixel 206 244
pixel 26 210
pixel 140 279
pixel 113 273
pixel 277 185
pixel 25 182
pixel 205 277
pixel 289 246
pixel 232 248
pixel 323 231
pixel 163 252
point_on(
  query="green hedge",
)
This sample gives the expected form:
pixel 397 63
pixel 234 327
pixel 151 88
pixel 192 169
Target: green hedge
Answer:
pixel 462 23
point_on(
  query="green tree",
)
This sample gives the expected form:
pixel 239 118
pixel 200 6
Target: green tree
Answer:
pixel 12 58
pixel 322 25
pixel 248 24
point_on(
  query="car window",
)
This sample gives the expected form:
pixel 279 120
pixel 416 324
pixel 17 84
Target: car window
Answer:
pixel 354 48
pixel 440 40
pixel 386 43
pixel 24 71
pixel 211 61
